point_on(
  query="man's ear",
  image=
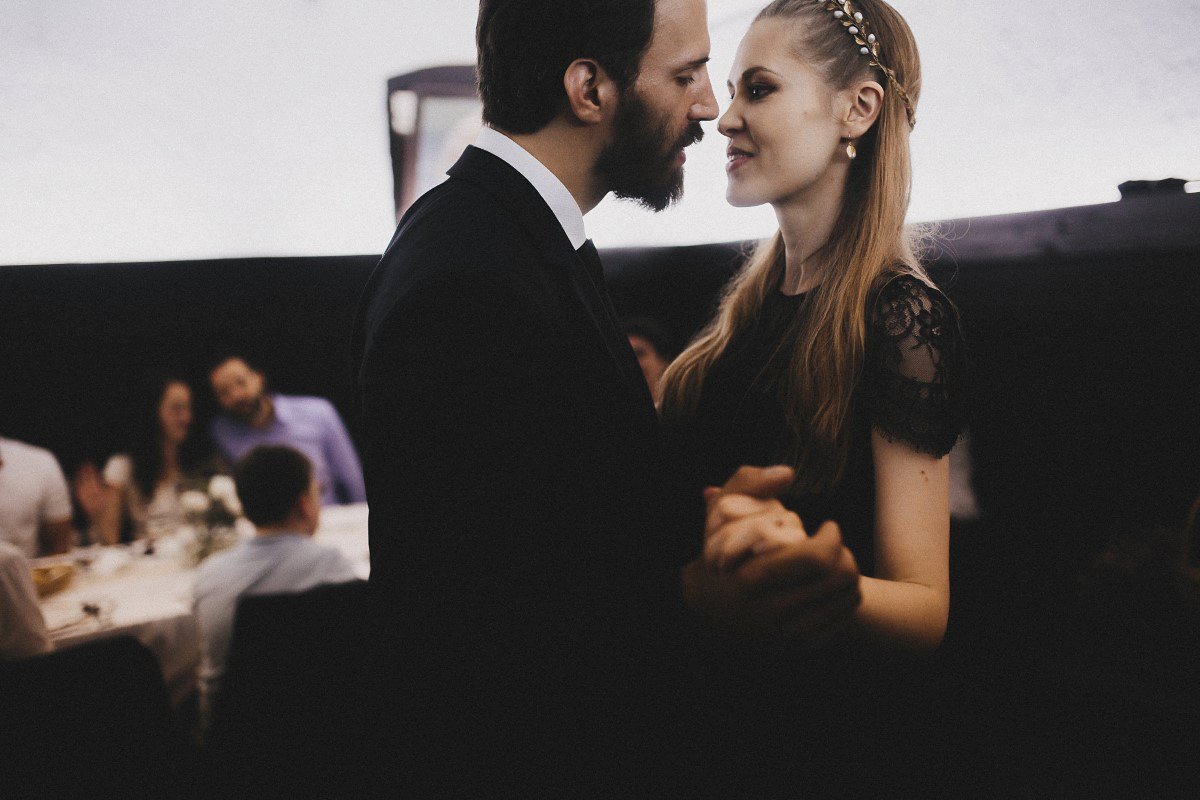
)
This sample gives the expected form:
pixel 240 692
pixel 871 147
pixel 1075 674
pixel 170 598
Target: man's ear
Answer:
pixel 862 103
pixel 308 507
pixel 591 94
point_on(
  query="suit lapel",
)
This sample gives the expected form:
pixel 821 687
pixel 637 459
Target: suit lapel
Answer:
pixel 516 196
pixel 605 315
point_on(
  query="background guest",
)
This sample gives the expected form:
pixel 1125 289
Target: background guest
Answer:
pixel 35 506
pixel 278 491
pixel 22 627
pixel 137 494
pixel 654 347
pixel 309 424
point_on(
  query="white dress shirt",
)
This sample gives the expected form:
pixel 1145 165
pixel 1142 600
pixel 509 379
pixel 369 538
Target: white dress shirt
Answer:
pixel 544 181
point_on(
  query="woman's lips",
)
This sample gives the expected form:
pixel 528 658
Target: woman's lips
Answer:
pixel 737 159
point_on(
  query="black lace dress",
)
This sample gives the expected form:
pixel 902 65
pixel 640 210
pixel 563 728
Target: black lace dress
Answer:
pixel 910 390
pixel 773 718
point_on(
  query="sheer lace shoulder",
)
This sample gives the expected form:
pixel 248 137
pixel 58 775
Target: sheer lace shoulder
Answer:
pixel 914 370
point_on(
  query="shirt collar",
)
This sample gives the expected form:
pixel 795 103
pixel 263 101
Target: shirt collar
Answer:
pixel 547 184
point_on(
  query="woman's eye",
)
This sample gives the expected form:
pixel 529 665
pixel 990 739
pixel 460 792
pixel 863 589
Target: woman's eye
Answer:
pixel 757 91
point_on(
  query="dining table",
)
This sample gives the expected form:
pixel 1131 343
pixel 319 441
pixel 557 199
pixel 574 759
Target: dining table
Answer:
pixel 144 589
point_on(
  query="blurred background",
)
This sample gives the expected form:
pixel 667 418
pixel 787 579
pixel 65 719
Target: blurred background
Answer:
pixel 182 179
pixel 153 130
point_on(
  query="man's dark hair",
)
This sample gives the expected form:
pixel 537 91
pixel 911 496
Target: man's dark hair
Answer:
pixel 525 47
pixel 221 359
pixel 270 480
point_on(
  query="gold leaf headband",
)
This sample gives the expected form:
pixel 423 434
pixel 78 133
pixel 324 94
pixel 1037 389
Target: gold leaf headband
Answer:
pixel 858 27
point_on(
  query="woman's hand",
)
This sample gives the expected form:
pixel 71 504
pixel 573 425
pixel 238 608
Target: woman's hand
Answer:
pixel 94 496
pixel 761 572
pixel 100 501
pixel 743 516
pixel 740 527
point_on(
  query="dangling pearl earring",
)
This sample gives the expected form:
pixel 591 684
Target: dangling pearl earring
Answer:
pixel 851 153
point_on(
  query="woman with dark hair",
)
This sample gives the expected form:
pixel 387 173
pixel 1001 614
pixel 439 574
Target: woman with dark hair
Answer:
pixel 137 494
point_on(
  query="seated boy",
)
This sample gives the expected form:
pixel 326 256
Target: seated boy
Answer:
pixel 279 495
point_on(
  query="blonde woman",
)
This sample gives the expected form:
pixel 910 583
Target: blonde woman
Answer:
pixel 832 351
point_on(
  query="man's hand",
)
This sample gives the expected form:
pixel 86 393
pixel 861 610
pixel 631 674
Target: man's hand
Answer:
pixel 761 572
pixel 806 589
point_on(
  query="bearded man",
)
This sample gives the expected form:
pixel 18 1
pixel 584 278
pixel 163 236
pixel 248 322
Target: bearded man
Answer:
pixel 523 555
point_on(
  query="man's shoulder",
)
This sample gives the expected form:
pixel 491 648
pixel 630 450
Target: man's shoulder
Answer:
pixel 14 449
pixel 465 221
pixel 462 245
pixel 30 459
pixel 306 405
pixel 322 553
pixel 333 564
pixel 457 228
pixel 216 570
pixel 318 561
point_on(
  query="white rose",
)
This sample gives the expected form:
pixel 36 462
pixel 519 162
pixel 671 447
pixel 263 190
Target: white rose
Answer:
pixel 194 502
pixel 222 487
pixel 233 505
pixel 224 490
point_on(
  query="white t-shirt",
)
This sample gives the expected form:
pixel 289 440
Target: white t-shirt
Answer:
pixel 22 626
pixel 33 491
pixel 161 515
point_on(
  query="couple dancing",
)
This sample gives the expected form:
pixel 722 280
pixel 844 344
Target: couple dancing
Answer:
pixel 546 552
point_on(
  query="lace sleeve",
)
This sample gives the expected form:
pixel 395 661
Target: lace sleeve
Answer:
pixel 914 370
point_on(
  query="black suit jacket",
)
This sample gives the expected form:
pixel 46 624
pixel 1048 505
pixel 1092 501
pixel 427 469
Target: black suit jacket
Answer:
pixel 521 548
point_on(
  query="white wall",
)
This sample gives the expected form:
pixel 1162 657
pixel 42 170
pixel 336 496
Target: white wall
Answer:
pixel 164 129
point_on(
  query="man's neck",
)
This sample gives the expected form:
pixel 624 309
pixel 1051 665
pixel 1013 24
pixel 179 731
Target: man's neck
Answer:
pixel 291 526
pixel 569 154
pixel 265 414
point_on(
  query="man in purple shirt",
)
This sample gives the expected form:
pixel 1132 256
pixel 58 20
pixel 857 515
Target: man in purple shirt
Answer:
pixel 309 424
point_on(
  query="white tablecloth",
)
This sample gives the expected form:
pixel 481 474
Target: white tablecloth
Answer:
pixel 150 596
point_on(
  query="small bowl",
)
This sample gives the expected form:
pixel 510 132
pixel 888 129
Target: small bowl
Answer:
pixel 51 579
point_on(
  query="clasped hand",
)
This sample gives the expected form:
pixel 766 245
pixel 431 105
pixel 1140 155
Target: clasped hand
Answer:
pixel 761 572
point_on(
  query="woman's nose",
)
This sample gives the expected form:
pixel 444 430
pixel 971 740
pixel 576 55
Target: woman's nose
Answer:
pixel 729 122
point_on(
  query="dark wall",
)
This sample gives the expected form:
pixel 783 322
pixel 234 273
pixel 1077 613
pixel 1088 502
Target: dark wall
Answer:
pixel 79 340
pixel 1081 325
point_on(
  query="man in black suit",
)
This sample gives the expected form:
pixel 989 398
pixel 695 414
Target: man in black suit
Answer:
pixel 522 551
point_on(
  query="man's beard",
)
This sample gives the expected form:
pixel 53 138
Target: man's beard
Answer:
pixel 247 411
pixel 639 163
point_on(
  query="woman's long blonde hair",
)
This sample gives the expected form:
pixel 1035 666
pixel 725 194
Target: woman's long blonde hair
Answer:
pixel 869 241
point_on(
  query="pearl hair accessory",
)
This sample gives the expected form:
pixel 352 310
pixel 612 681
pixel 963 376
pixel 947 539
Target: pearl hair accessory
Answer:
pixel 868 45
